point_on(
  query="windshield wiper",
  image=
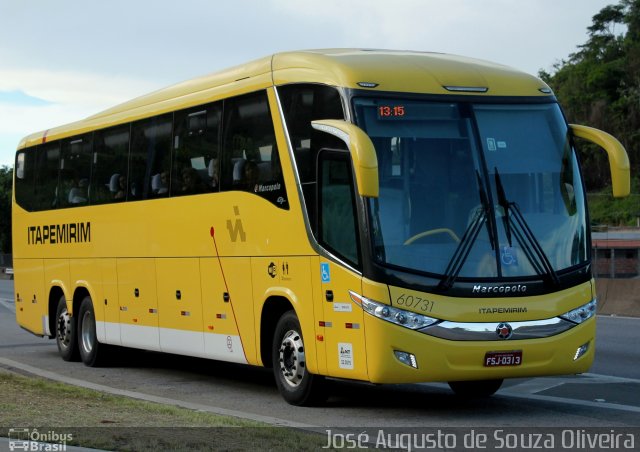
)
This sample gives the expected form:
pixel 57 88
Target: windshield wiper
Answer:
pixel 482 216
pixel 524 234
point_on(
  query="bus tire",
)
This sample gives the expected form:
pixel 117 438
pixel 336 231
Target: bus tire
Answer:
pixel 475 388
pixel 92 352
pixel 66 338
pixel 296 384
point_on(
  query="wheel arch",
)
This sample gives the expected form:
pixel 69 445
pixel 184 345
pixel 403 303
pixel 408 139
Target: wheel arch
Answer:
pixel 56 291
pixel 78 295
pixel 272 309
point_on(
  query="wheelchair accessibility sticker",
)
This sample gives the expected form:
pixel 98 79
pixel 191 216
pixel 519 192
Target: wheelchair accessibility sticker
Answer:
pixel 508 256
pixel 324 272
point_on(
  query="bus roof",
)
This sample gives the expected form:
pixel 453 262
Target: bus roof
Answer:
pixel 380 70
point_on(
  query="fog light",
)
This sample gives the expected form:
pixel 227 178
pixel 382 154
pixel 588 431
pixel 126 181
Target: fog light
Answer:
pixel 581 351
pixel 406 358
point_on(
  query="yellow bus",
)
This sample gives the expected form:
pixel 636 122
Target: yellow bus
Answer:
pixel 381 216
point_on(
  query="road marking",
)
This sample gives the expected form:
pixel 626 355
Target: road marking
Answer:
pixel 535 385
pixel 615 316
pixel 8 304
pixel 601 378
pixel 540 384
pixel 563 400
pixel 530 388
pixel 9 364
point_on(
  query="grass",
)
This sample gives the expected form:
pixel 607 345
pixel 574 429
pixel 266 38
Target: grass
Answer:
pixel 604 209
pixel 103 421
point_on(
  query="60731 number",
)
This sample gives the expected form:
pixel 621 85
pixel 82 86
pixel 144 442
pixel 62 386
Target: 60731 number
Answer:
pixel 409 301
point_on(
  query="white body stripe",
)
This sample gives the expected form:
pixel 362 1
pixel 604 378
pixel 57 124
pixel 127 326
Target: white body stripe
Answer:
pixel 222 347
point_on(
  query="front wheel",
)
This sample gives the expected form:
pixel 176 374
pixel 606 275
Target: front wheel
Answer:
pixel 475 388
pixel 296 384
pixel 66 332
pixel 92 352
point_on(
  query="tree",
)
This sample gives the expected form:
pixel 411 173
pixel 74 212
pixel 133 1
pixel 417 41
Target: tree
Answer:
pixel 6 181
pixel 599 85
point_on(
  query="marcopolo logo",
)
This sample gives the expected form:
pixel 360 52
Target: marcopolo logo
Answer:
pixel 499 288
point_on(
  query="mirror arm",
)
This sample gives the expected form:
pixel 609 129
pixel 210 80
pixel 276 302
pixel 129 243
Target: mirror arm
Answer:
pixel 363 153
pixel 618 158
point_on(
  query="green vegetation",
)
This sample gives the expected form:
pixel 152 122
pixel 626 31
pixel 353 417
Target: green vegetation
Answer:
pixel 108 422
pixel 599 86
pixel 607 210
pixel 6 181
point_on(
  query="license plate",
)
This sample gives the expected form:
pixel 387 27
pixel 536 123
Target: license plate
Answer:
pixel 498 359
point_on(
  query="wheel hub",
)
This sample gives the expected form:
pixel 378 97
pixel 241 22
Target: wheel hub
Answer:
pixel 88 332
pixel 64 328
pixel 292 360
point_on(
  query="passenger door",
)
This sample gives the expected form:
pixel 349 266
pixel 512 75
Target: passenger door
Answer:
pixel 340 325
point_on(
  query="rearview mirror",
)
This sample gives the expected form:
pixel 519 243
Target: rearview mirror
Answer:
pixel 618 159
pixel 363 153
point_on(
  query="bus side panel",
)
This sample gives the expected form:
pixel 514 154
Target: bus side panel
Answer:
pixel 318 315
pixel 109 274
pixel 86 273
pixel 290 278
pixel 344 328
pixel 237 272
pixel 31 301
pixel 221 336
pixel 138 303
pixel 56 274
pixel 180 306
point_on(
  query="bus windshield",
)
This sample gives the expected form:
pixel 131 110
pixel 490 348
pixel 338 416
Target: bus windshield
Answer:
pixel 474 190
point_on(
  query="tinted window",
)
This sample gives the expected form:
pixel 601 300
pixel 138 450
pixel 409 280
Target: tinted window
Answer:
pixel 302 104
pixel 150 158
pixel 250 154
pixel 47 170
pixel 196 150
pixel 172 154
pixel 75 171
pixel 109 177
pixel 337 228
pixel 25 178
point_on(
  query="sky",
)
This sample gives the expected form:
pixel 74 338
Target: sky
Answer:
pixel 61 61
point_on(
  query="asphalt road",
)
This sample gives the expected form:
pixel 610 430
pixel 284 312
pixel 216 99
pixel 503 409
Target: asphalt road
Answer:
pixel 608 396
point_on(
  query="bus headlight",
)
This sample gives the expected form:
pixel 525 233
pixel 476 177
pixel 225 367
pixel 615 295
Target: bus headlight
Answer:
pixel 400 317
pixel 584 312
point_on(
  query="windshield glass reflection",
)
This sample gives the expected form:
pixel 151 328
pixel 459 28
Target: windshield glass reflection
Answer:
pixel 437 169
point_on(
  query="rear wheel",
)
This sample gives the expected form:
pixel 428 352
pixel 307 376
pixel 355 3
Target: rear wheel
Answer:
pixel 66 338
pixel 475 388
pixel 92 352
pixel 296 384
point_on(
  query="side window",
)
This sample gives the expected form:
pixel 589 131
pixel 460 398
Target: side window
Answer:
pixel 25 178
pixel 302 104
pixel 75 171
pixel 196 145
pixel 250 160
pixel 109 174
pixel 337 222
pixel 47 195
pixel 150 158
